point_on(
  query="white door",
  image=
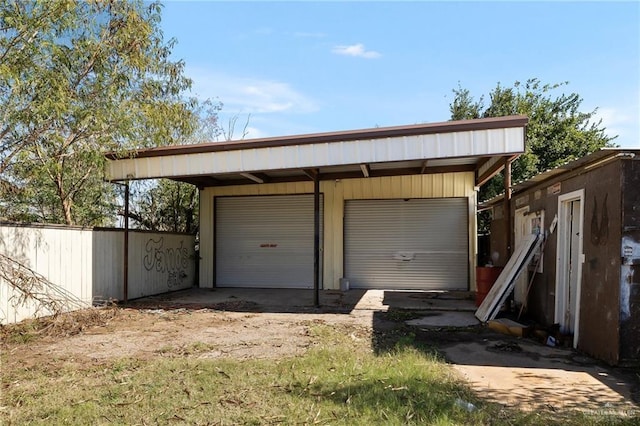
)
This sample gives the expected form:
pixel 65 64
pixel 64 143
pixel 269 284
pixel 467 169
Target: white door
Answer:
pixel 569 262
pixel 265 241
pixel 412 244
pixel 573 267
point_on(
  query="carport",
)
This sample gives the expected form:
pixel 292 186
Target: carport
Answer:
pixel 391 207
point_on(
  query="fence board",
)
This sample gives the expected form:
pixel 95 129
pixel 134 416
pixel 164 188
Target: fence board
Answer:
pixel 88 263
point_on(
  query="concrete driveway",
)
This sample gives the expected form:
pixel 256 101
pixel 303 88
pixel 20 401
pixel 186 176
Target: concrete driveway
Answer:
pixel 294 300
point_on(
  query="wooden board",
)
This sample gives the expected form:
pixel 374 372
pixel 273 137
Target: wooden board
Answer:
pixel 507 279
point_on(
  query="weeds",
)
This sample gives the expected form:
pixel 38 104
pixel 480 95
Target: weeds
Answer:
pixel 340 381
pixel 60 325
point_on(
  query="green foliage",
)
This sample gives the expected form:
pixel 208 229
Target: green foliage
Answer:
pixel 78 78
pixel 166 205
pixel 558 131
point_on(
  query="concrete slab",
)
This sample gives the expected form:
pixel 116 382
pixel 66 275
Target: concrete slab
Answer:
pixel 291 300
pixel 530 376
pixel 445 319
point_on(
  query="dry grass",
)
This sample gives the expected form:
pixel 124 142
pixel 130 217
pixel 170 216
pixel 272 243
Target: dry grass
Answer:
pixel 340 380
pixel 60 325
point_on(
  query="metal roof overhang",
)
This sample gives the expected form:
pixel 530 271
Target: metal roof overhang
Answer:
pixel 570 168
pixel 482 146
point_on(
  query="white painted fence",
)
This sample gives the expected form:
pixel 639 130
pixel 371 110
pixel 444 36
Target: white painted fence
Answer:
pixel 89 264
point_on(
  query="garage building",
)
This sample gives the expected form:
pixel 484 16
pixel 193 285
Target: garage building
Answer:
pixel 384 208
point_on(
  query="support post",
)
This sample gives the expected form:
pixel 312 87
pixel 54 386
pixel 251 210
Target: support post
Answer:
pixel 316 239
pixel 507 205
pixel 126 243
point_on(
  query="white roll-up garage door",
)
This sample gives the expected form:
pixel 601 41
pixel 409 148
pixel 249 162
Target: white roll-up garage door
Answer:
pixel 407 244
pixel 265 241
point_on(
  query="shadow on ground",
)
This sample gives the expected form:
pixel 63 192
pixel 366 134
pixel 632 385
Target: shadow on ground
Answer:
pixel 516 372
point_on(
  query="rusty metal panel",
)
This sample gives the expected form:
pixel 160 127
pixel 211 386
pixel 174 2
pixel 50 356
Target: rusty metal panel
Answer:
pixel 630 267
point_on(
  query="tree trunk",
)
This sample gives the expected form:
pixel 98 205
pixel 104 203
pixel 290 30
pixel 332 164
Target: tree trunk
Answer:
pixel 65 201
pixel 66 207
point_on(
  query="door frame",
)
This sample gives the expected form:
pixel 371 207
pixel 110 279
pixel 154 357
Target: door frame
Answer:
pixel 562 260
pixel 520 221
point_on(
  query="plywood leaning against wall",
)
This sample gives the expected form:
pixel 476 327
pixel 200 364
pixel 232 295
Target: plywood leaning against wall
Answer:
pixel 505 283
pixel 87 265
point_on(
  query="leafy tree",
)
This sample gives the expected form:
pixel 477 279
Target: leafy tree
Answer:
pixel 558 131
pixel 167 205
pixel 78 78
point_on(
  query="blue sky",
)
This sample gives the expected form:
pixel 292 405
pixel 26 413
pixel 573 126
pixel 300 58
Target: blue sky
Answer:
pixel 306 67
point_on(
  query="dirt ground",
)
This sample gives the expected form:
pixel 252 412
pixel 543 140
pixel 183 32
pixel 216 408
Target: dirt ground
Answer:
pixel 512 371
pixel 146 333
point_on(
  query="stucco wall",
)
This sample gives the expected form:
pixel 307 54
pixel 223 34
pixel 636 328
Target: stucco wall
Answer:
pixel 600 279
pixel 335 193
pixel 630 268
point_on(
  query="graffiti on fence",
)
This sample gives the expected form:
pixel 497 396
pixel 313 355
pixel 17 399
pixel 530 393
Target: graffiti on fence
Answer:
pixel 172 261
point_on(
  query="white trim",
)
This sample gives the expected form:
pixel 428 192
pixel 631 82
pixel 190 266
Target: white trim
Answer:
pixel 561 261
pixel 476 143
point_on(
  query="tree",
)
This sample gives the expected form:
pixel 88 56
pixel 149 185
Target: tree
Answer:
pixel 78 78
pixel 167 205
pixel 557 131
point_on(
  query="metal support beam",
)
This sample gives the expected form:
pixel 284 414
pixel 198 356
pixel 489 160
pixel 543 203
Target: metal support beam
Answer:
pixel 424 166
pixel 125 278
pixel 365 170
pixel 252 177
pixel 316 239
pixel 311 173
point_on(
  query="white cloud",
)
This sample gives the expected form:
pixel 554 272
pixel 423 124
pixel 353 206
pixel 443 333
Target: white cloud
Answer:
pixel 357 50
pixel 248 95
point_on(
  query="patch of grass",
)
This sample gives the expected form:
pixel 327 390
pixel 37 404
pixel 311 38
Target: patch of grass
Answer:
pixel 185 350
pixel 22 333
pixel 340 381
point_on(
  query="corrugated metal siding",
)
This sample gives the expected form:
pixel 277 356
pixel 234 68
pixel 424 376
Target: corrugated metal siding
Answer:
pixel 335 193
pixel 108 266
pixel 265 241
pixel 429 146
pixel 60 255
pixel 407 244
pixel 158 263
pixel 89 263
